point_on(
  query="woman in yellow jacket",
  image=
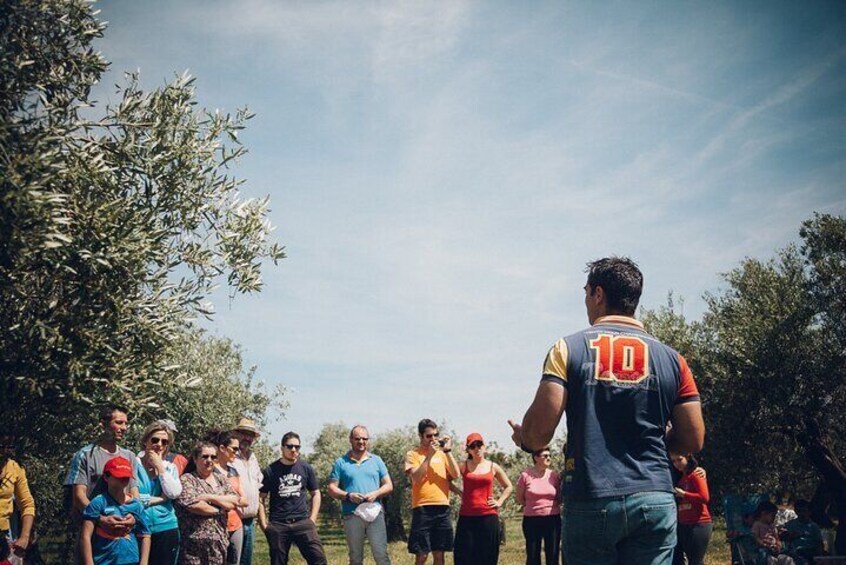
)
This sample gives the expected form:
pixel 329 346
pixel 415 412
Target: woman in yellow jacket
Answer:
pixel 14 489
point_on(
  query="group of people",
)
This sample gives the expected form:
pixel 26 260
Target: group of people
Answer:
pixel 633 413
pixel 161 507
pixel 770 535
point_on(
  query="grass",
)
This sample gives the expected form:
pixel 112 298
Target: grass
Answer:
pixel 512 553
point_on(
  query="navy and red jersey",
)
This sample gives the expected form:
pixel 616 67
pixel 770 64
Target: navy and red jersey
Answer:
pixel 622 385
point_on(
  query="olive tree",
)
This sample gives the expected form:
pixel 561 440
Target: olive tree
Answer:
pixel 116 224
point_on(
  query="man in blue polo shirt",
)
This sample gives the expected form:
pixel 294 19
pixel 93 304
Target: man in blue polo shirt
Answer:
pixel 360 479
pixel 621 388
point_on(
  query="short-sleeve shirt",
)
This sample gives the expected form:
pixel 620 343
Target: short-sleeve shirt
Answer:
pixel 287 486
pixel 622 386
pixel 358 476
pixel 539 493
pixel 233 518
pixel 808 536
pixel 433 489
pixel 86 468
pixel 108 549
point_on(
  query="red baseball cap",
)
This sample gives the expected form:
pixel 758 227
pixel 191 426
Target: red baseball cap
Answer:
pixel 118 467
pixel 475 436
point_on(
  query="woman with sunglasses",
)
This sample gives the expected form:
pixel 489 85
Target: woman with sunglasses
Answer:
pixel 158 485
pixel 477 533
pixel 538 493
pixel 202 509
pixel 228 446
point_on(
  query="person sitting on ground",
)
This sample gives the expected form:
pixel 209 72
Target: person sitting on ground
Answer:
pixel 804 535
pixel 102 548
pixel 766 536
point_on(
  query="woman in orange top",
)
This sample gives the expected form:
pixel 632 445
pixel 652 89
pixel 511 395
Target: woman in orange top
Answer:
pixel 477 533
pixel 695 526
pixel 227 449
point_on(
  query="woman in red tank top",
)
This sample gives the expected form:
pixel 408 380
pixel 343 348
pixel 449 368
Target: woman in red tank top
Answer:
pixel 477 533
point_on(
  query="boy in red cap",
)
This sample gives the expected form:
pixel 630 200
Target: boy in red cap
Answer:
pixel 98 546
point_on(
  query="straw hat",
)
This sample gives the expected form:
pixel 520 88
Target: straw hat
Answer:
pixel 248 426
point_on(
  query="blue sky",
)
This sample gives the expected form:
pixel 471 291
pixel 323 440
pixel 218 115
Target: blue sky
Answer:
pixel 440 172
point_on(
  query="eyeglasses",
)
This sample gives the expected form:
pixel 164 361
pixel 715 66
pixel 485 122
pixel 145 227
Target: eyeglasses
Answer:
pixel 207 457
pixel 430 436
pixel 159 440
pixel 292 446
pixel 361 439
pixel 476 445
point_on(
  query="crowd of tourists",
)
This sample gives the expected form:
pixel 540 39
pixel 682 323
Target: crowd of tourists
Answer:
pixel 159 507
pixel 633 414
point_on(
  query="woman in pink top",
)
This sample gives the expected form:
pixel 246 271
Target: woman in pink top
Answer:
pixel 477 533
pixel 537 493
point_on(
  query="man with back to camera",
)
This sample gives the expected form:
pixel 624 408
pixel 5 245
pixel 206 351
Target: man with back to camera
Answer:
pixel 360 478
pixel 620 388
pixel 431 468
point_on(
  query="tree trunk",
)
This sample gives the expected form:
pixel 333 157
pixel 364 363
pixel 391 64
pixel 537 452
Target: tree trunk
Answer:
pixel 832 473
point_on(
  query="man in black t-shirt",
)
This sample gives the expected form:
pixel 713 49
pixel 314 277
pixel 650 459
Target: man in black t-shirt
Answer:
pixel 286 481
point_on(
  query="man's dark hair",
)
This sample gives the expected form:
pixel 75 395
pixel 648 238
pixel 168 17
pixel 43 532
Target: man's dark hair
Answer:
pixel 620 279
pixel 108 410
pixel 288 436
pixel 425 423
pixel 801 504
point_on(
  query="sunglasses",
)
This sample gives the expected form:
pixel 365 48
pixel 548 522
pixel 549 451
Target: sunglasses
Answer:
pixel 476 445
pixel 430 436
pixel 207 457
pixel 159 440
pixel 292 446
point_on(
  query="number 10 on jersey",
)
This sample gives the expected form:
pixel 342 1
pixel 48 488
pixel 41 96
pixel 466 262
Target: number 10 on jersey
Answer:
pixel 620 358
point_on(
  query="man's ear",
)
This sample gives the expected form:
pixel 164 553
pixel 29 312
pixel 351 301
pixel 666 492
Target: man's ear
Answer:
pixel 597 294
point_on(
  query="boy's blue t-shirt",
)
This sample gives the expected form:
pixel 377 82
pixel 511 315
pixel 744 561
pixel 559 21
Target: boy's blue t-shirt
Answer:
pixel 107 549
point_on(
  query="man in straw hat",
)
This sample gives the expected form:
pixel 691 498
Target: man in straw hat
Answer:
pixel 251 477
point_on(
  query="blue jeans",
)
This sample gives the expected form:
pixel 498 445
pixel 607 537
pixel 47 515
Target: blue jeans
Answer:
pixel 637 529
pixel 247 546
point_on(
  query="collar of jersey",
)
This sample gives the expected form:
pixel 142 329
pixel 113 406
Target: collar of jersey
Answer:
pixel 615 319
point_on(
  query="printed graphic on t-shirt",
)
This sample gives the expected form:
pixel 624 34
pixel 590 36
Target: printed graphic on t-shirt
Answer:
pixel 290 485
